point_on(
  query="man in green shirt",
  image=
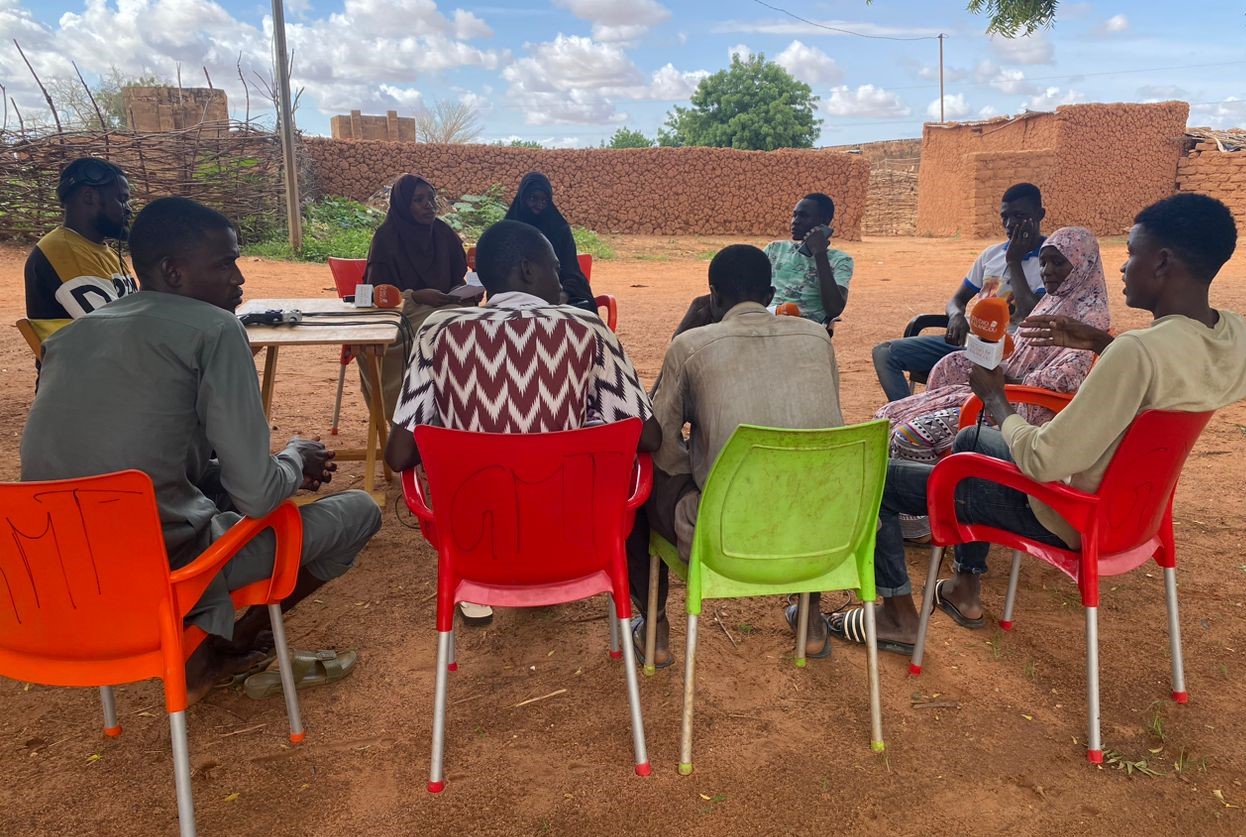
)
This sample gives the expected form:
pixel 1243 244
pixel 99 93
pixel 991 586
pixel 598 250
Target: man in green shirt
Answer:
pixel 163 381
pixel 805 269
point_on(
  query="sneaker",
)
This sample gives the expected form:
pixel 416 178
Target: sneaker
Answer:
pixel 476 615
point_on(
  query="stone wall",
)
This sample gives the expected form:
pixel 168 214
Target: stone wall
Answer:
pixel 157 110
pixel 1096 164
pixel 390 127
pixel 1220 174
pixel 647 191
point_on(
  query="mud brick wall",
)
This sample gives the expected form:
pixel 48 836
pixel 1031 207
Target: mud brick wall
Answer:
pixel 891 205
pixel 644 191
pixel 1096 164
pixel 391 126
pixel 1220 174
pixel 158 110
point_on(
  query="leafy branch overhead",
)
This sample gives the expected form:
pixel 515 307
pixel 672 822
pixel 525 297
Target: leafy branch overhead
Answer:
pixel 1012 17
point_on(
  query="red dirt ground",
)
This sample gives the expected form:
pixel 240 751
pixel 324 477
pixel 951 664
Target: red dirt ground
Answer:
pixel 777 750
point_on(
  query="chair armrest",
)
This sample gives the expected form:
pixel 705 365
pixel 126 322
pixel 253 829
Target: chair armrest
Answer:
pixel 1017 394
pixel 413 493
pixel 642 481
pixel 1077 507
pixel 190 581
pixel 925 321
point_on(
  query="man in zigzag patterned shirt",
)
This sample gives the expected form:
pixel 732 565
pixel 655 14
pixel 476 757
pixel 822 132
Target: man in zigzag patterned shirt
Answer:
pixel 522 363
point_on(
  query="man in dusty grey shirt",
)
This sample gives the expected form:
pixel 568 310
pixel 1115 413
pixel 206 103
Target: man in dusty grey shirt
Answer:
pixel 166 384
pixel 747 367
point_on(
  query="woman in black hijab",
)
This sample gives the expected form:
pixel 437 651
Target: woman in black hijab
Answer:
pixel 420 254
pixel 534 205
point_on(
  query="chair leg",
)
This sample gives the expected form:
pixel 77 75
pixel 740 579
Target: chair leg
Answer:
pixel 1010 598
pixel 802 629
pixel 633 700
pixel 612 617
pixel 287 674
pixel 109 700
pixel 871 660
pixel 337 403
pixel 685 744
pixel 436 777
pixel 1094 746
pixel 181 774
pixel 651 617
pixel 1179 694
pixel 932 575
pixel 453 665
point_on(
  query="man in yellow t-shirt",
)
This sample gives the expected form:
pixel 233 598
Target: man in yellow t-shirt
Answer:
pixel 71 271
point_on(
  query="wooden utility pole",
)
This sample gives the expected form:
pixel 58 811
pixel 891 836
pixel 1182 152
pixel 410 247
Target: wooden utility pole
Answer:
pixel 294 214
pixel 940 73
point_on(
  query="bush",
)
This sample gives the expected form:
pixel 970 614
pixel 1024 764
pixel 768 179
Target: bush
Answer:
pixel 587 241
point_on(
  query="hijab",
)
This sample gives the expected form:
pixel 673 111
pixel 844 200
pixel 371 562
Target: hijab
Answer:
pixel 554 227
pixel 412 255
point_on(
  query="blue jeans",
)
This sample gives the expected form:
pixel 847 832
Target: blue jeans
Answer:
pixel 977 501
pixel 908 354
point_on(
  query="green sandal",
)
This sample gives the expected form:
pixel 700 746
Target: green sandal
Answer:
pixel 309 669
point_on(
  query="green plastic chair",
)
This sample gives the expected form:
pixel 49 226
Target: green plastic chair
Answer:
pixel 783 511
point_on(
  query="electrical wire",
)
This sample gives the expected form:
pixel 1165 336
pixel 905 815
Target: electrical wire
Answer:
pixel 849 31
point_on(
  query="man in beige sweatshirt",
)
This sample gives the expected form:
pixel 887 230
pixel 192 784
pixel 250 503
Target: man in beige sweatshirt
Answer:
pixel 1192 358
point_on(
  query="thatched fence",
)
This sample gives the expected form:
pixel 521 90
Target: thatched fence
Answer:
pixel 230 166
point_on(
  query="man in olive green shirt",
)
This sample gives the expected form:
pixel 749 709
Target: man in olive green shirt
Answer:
pixel 1192 358
pixel 163 381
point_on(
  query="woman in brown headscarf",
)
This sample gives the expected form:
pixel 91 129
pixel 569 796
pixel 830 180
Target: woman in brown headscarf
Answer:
pixel 420 254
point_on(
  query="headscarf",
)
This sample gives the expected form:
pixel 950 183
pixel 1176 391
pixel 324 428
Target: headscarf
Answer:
pixel 554 227
pixel 412 255
pixel 1081 296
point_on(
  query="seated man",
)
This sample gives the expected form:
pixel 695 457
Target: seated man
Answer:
pixel 1191 358
pixel 517 393
pixel 164 377
pixel 994 273
pixel 746 367
pixel 815 280
pixel 71 271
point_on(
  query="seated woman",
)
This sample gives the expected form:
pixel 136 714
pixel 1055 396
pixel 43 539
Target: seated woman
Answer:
pixel 534 205
pixel 924 425
pixel 419 253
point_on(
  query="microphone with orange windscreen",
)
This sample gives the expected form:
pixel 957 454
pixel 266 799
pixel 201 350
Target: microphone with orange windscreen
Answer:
pixel 989 342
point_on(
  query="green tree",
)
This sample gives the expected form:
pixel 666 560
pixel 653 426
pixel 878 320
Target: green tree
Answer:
pixel 521 143
pixel 754 104
pixel 627 138
pixel 1008 17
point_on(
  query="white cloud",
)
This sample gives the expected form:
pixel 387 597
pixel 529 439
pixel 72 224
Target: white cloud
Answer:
pixel 951 75
pixel 954 107
pixel 1161 92
pixel 740 51
pixel 1051 98
pixel 671 85
pixel 1114 25
pixel 986 112
pixel 468 26
pixel 1013 83
pixel 615 21
pixel 809 64
pixel 780 26
pixel 1028 49
pixel 866 100
pixel 1229 113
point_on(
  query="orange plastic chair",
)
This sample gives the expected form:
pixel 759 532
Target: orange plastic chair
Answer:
pixel 471 257
pixel 1017 394
pixel 611 305
pixel 1124 524
pixel 530 520
pixel 347 273
pixel 89 599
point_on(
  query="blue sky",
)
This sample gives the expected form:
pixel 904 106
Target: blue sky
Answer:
pixel 569 72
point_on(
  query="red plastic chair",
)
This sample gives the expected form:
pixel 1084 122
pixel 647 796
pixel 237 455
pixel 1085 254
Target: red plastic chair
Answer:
pixel 611 305
pixel 90 600
pixel 530 520
pixel 586 265
pixel 1124 524
pixel 347 273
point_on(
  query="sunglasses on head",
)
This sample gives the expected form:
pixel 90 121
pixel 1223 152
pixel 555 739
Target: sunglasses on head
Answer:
pixel 89 173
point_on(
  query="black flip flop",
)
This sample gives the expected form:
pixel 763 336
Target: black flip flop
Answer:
pixel 638 644
pixel 790 614
pixel 851 628
pixel 953 611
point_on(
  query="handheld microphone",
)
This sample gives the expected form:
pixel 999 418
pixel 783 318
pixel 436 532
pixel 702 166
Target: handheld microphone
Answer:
pixel 989 342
